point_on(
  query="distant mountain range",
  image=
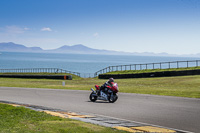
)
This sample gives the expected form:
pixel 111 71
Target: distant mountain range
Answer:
pixel 76 49
pixel 12 47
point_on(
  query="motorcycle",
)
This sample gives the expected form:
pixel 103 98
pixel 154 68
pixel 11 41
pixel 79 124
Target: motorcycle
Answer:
pixel 108 94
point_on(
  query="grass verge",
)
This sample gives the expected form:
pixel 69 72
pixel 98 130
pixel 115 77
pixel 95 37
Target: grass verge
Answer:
pixel 181 86
pixel 151 70
pixel 23 120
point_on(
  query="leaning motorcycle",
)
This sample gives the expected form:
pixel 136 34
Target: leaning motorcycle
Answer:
pixel 108 94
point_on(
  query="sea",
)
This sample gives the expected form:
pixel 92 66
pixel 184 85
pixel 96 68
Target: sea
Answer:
pixel 82 63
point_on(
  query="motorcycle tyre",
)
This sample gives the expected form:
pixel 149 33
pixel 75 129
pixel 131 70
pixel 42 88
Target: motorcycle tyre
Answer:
pixel 112 101
pixel 93 98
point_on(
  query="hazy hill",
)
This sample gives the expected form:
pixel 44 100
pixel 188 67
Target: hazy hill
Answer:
pixel 81 49
pixel 12 47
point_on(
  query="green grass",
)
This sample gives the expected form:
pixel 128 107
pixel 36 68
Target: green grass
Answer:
pixel 151 70
pixel 181 86
pixel 23 120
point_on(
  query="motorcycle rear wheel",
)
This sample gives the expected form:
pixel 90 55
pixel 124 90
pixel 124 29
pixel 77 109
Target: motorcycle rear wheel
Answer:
pixel 92 97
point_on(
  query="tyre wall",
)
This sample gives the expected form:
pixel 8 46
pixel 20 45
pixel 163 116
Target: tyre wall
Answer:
pixel 64 77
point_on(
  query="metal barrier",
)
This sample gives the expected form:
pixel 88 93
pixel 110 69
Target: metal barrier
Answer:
pixel 46 70
pixel 160 65
pixel 38 70
pixel 87 75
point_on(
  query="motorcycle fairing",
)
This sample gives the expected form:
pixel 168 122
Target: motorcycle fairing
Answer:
pixel 97 87
pixel 103 95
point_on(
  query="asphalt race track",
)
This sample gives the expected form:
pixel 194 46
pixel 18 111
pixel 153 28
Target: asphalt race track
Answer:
pixel 172 112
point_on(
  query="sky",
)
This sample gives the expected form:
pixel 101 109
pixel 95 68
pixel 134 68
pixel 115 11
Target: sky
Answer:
pixel 171 26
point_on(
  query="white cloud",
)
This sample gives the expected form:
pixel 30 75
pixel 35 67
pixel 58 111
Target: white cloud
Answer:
pixel 26 28
pixel 15 29
pixel 46 29
pixel 96 34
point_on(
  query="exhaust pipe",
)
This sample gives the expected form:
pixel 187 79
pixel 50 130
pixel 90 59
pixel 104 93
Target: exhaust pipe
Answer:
pixel 93 90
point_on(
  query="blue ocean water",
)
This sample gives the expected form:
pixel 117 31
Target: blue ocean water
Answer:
pixel 76 62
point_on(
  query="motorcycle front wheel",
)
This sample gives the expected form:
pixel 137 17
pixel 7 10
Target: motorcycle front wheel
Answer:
pixel 113 99
pixel 92 97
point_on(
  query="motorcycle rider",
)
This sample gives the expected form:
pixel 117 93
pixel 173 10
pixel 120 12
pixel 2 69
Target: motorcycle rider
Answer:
pixel 110 83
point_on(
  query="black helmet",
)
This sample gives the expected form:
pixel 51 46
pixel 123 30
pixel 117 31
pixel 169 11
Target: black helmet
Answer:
pixel 111 80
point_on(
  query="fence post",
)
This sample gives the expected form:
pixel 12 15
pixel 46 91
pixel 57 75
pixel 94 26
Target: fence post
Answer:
pixel 95 74
pixel 177 65
pixel 187 64
pixel 160 66
pixel 153 65
pixel 196 63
